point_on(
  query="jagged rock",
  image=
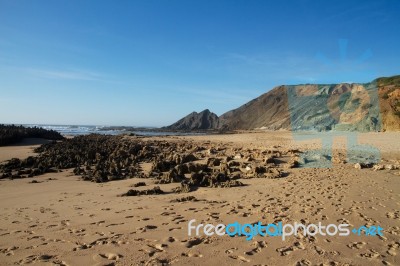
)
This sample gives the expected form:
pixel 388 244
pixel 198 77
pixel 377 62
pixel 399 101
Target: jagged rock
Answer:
pixel 183 199
pixel 153 191
pixel 260 170
pixel 223 167
pixel 249 158
pixel 238 156
pixel 270 173
pixel 363 165
pixel 211 151
pixel 100 158
pixel 188 158
pixel 227 159
pixel 196 178
pixel 216 179
pixel 233 163
pixel 139 184
pixel 292 152
pixel 195 167
pixel 248 168
pixel 269 159
pixel 171 177
pixel 196 121
pixel 184 188
pixel 10 134
pixel 163 166
pixel 231 183
pixel 378 167
pixel 182 169
pixel 213 162
pixel 293 163
pixel 392 167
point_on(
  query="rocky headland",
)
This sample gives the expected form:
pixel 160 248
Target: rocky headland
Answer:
pixel 373 106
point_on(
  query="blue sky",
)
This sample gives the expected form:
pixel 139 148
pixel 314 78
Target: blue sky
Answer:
pixel 148 63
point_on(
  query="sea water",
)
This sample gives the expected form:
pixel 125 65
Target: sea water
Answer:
pixel 76 130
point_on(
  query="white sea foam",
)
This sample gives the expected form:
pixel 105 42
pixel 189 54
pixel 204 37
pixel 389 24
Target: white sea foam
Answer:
pixel 76 130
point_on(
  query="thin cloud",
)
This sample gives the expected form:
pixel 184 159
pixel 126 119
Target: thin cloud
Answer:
pixel 70 74
pixel 67 75
pixel 369 11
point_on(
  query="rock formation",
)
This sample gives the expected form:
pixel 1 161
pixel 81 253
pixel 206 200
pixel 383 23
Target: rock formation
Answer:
pixel 10 134
pixel 196 121
pixel 373 106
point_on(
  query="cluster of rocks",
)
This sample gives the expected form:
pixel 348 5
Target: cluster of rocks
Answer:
pixel 101 158
pixel 185 199
pixel 377 167
pixel 139 184
pixel 10 134
pixel 134 192
pixel 96 158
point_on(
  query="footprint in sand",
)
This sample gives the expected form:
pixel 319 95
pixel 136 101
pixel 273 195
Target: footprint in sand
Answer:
pixel 284 251
pixel 392 248
pixel 9 251
pixel 372 254
pixel 35 237
pixel 319 250
pixel 304 262
pixel 193 242
pixel 231 250
pixel 151 249
pixel 51 226
pixel 146 228
pixel 115 224
pixel 174 228
pixel 36 258
pixel 105 257
pixel 356 245
pixel 257 247
pixel 192 254
pixel 98 223
pixel 393 215
pixel 65 223
pixel 241 258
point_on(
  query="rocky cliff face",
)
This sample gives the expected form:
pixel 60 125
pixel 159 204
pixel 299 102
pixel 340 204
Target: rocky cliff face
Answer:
pixel 373 106
pixel 389 101
pixel 269 110
pixel 196 121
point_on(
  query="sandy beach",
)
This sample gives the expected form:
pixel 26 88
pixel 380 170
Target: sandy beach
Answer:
pixel 61 220
pixel 191 133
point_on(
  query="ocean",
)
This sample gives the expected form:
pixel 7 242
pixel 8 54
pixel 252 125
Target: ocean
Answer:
pixel 76 130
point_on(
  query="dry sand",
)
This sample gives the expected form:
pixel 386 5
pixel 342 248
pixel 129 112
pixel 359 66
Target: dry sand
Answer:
pixel 21 150
pixel 64 221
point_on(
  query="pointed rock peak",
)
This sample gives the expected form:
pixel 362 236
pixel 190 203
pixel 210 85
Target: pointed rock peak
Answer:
pixel 205 111
pixel 197 121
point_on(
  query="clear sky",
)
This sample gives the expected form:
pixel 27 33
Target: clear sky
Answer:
pixel 148 63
